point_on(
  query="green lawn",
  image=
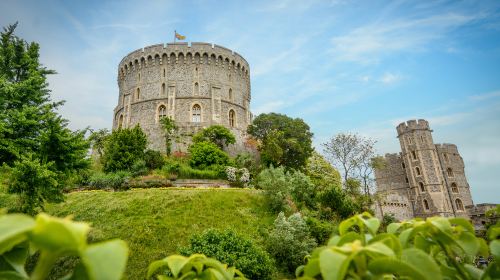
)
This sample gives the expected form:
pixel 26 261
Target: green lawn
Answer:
pixel 155 222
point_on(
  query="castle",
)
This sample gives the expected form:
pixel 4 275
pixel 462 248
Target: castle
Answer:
pixel 424 180
pixel 197 85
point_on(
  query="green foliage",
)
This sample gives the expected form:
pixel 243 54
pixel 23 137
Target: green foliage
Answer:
pixel 321 172
pixel 217 134
pixel 114 180
pixel 194 267
pixel 35 183
pixel 320 230
pixel 55 238
pixel 235 250
pixel 98 140
pixel 179 170
pixel 205 154
pixel 436 248
pixel 170 130
pixel 335 200
pixel 303 191
pixel 289 242
pixel 139 168
pixel 123 148
pixel 276 186
pixel 154 159
pixel 284 141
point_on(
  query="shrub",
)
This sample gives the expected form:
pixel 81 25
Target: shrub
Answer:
pixel 335 200
pixel 435 248
pixel 139 168
pixel 237 177
pixel 205 154
pixel 154 159
pixel 233 249
pixel 116 181
pixel 303 191
pixel 53 239
pixel 320 230
pixel 123 148
pixel 276 187
pixel 289 242
pixel 35 183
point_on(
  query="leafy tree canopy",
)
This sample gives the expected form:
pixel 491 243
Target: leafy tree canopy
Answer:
pixel 217 134
pixel 321 172
pixel 284 141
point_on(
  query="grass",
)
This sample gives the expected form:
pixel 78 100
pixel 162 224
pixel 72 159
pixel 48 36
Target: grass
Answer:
pixel 156 222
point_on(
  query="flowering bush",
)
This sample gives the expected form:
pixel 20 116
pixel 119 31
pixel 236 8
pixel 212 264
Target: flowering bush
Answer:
pixel 238 177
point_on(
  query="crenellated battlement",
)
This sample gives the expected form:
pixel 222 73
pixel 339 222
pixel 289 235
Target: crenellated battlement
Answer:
pixel 412 125
pixel 183 52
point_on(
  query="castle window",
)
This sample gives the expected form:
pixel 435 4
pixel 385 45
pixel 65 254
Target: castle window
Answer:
pixel 120 122
pixel 403 165
pixel 449 171
pixel 163 89
pixel 406 179
pixel 138 94
pixel 230 94
pixel 162 112
pixel 426 205
pixel 454 188
pixel 163 72
pixel 445 156
pixel 410 140
pixel 232 120
pixel 417 169
pixel 459 205
pixel 421 138
pixel 422 187
pixel 196 89
pixel 139 76
pixel 196 113
pixel 414 155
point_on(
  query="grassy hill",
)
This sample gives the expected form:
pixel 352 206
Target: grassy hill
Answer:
pixel 155 222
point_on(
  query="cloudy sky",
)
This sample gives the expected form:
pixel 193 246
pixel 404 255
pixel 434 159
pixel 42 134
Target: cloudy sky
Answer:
pixel 359 66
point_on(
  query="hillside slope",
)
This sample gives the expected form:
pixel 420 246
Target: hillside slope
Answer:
pixel 155 222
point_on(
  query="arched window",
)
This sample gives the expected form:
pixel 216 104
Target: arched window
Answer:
pixel 417 169
pixel 162 111
pixel 454 188
pixel 426 204
pixel 414 155
pixel 163 89
pixel 120 121
pixel 139 76
pixel 403 165
pixel 422 187
pixel 406 179
pixel 196 89
pixel 232 119
pixel 164 72
pixel 450 172
pixel 230 95
pixel 196 113
pixel 138 94
pixel 459 205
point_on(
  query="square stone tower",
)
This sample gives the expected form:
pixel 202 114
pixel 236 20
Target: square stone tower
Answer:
pixel 425 179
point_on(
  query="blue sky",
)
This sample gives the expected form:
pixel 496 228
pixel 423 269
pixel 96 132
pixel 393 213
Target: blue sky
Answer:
pixel 358 66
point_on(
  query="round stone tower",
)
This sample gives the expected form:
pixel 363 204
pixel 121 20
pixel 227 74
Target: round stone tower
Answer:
pixel 197 85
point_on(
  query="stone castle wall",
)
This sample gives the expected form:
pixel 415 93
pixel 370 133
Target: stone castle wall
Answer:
pixel 176 80
pixel 430 177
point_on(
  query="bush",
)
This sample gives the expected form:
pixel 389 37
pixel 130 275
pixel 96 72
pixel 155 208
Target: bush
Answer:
pixel 123 148
pixel 205 154
pixel 154 159
pixel 320 230
pixel 334 200
pixel 35 183
pixel 139 168
pixel 276 187
pixel 289 242
pixel 233 249
pixel 116 181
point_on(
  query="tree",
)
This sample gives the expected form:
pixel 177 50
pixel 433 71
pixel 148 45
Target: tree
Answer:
pixel 321 172
pixel 351 154
pixel 98 140
pixel 217 134
pixel 35 182
pixel 170 130
pixel 283 140
pixel 124 147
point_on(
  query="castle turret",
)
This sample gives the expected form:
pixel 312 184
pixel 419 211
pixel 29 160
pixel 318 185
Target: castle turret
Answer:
pixel 427 186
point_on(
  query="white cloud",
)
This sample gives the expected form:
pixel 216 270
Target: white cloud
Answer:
pixel 485 96
pixel 390 78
